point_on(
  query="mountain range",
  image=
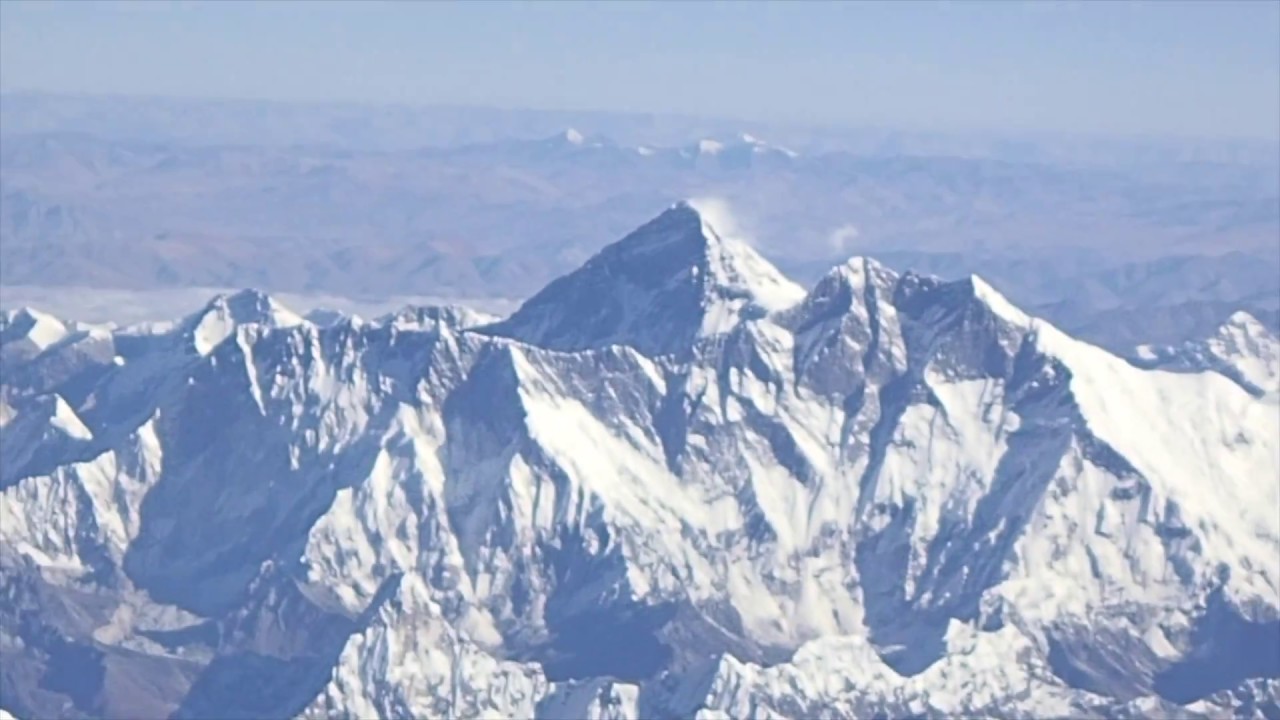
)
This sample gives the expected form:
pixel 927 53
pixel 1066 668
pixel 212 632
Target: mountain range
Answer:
pixel 672 484
pixel 1099 238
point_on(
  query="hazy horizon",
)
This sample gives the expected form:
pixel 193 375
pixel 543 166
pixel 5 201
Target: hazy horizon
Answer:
pixel 837 128
pixel 1133 70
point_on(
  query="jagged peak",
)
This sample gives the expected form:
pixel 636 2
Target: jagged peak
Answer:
pixel 540 473
pixel 1243 322
pixel 1242 349
pixel 867 303
pixel 1047 338
pixel 1244 335
pixel 701 236
pixel 997 302
pixel 252 305
pixel 838 291
pixel 225 312
pixel 698 234
pixel 685 274
pixel 972 289
pixel 1242 317
pixel 40 328
pixel 844 289
pixel 857 268
pixel 457 317
pixel 27 314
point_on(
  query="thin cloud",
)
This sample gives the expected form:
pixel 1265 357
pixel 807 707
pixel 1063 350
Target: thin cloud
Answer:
pixel 720 216
pixel 842 238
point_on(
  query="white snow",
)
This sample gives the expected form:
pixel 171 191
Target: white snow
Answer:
pixel 219 320
pixel 998 303
pixel 40 329
pixel 65 420
pixel 979 675
pixel 1242 349
pixel 739 476
pixel 734 262
pixel 709 147
pixel 711 279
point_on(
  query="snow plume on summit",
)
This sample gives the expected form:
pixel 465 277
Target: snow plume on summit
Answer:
pixel 671 484
pixel 717 213
pixel 680 278
pixel 842 238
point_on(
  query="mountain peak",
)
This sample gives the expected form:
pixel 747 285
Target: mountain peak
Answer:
pixel 709 147
pixel 759 146
pixel 253 306
pixel 41 329
pixel 1250 350
pixel 501 514
pixel 1244 321
pixel 683 275
pixel 225 312
pixel 840 288
pixel 997 302
pixel 423 317
pixel 572 139
pixel 713 216
pixel 859 265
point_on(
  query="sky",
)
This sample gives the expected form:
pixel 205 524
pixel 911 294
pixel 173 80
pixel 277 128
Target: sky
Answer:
pixel 1150 69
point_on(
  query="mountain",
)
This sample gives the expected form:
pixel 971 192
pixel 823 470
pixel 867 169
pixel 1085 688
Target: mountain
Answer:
pixel 30 331
pixel 501 216
pixel 669 283
pixel 672 484
pixel 276 124
pixel 573 149
pixel 744 152
pixel 1123 329
pixel 1243 349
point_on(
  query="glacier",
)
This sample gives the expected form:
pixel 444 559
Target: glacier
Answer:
pixel 671 484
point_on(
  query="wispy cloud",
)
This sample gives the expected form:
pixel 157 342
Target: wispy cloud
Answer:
pixel 717 212
pixel 842 238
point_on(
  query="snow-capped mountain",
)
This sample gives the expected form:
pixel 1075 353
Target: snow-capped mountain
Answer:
pixel 30 330
pixel 658 290
pixel 741 152
pixel 672 484
pixel 1243 349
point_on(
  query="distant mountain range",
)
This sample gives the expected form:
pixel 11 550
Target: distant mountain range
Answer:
pixel 672 484
pixel 206 122
pixel 1088 238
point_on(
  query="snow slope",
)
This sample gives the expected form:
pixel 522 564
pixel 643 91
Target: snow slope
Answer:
pixel 672 484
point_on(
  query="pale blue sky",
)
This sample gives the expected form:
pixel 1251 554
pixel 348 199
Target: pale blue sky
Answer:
pixel 1168 68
